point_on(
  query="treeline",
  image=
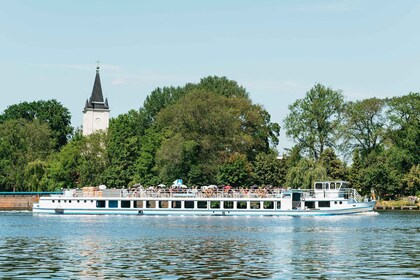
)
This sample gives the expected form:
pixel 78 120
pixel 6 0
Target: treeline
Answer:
pixel 212 133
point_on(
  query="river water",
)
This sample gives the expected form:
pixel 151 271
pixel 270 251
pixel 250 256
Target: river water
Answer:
pixel 372 245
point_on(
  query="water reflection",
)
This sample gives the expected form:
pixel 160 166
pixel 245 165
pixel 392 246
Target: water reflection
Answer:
pixel 120 247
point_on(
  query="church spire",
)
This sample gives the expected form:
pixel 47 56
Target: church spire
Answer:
pixel 96 100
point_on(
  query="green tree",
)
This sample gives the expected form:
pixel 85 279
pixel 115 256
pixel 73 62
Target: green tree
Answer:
pixel 236 172
pixel 123 149
pixel 313 121
pixel 146 173
pixel 335 168
pixel 404 132
pixel 21 142
pixel 203 130
pixel 82 162
pixel 412 180
pixel 50 112
pixel 364 124
pixel 305 173
pixel 269 169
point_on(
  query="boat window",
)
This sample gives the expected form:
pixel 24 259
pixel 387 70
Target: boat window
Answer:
pixel 324 203
pixel 78 201
pixel 100 203
pixel 241 205
pixel 268 205
pixel 318 186
pixel 85 201
pixel 341 202
pixel 69 201
pixel 335 202
pixel 125 203
pixel 255 205
pixel 215 204
pixel 58 201
pixel 278 204
pixel 228 204
pixel 113 204
pixel 150 204
pixel 310 204
pixel 138 204
pixel 176 204
pixel 164 204
pixel 65 201
pixel 189 204
pixel 53 201
pixel 202 204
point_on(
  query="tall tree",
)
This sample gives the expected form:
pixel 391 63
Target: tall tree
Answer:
pixel 206 129
pixel 364 124
pixel 404 132
pixel 123 148
pixel 50 112
pixel 312 122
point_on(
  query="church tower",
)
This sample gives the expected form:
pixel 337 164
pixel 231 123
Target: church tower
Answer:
pixel 96 112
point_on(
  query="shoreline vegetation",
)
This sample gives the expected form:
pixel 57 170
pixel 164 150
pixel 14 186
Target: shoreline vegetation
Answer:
pixel 211 132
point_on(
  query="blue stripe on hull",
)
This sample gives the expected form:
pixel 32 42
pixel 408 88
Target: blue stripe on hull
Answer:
pixel 204 212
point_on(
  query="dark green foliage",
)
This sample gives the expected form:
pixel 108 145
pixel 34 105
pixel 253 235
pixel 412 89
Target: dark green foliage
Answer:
pixel 269 169
pixel 50 112
pixel 24 146
pixel 123 149
pixel 236 172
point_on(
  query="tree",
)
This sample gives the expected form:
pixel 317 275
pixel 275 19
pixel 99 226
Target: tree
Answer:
pixel 404 132
pixel 236 172
pixel 313 121
pixel 123 149
pixel 269 169
pixel 335 168
pixel 412 180
pixel 203 130
pixel 50 112
pixel 21 143
pixel 364 124
pixel 82 162
pixel 305 173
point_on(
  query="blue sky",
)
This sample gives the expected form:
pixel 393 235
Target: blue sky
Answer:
pixel 277 50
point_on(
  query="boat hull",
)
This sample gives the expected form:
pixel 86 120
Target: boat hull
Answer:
pixel 359 208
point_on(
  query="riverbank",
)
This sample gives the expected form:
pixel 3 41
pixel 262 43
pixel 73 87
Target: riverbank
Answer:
pixel 15 201
pixel 411 203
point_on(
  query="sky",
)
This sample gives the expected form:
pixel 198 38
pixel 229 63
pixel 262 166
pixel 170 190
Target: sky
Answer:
pixel 277 50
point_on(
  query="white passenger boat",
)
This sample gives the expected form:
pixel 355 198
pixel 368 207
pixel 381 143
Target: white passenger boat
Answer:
pixel 327 198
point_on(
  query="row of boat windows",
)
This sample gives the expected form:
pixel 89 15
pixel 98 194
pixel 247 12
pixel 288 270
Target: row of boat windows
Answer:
pixel 198 204
pixel 190 204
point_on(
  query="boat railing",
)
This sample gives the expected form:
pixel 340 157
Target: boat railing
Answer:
pixel 213 193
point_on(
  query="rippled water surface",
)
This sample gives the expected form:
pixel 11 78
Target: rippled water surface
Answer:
pixel 385 245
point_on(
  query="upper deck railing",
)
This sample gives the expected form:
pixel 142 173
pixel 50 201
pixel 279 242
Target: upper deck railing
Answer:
pixel 213 193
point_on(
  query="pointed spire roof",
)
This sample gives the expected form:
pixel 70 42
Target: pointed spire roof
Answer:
pixel 96 100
